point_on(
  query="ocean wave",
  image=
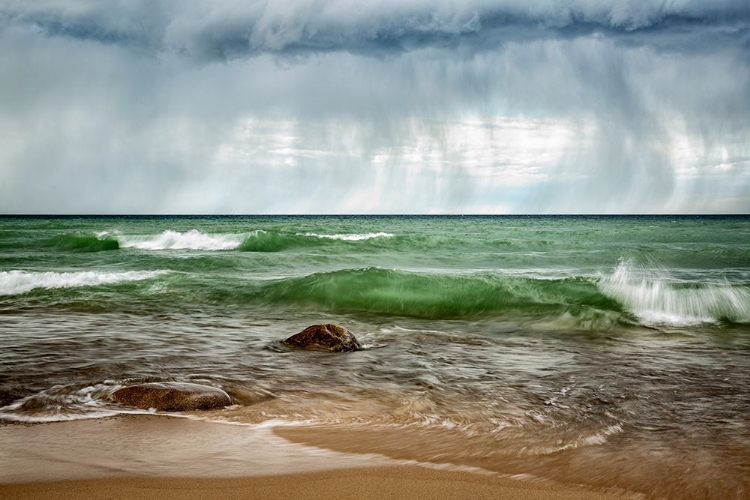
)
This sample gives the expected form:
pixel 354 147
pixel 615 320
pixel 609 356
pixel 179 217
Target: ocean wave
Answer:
pixel 650 296
pixel 83 242
pixel 436 296
pixel 656 298
pixel 257 241
pixel 189 240
pixel 18 282
pixel 272 241
pixel 253 241
pixel 348 237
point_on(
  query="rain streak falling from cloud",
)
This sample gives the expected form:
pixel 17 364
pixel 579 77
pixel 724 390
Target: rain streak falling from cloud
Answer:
pixel 390 107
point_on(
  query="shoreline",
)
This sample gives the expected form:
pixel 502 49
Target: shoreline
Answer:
pixel 140 456
pixel 372 483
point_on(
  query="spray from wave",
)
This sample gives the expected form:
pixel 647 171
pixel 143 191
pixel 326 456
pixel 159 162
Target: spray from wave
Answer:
pixel 18 282
pixel 189 240
pixel 656 298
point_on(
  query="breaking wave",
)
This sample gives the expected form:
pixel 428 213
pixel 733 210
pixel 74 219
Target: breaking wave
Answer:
pixel 271 241
pixel 18 282
pixel 349 237
pixel 255 241
pixel 82 242
pixel 629 294
pixel 656 298
pixel 435 296
pixel 189 240
pixel 651 297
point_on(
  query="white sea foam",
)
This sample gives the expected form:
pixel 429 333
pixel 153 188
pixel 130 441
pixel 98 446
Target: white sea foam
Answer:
pixel 597 438
pixel 656 298
pixel 349 237
pixel 16 282
pixel 189 240
pixel 60 403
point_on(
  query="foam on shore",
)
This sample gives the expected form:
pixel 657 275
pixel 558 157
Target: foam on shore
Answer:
pixel 139 457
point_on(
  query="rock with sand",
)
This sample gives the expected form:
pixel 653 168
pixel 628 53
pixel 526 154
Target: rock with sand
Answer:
pixel 327 337
pixel 172 396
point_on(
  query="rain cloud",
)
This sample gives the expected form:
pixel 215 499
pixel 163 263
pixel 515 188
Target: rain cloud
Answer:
pixel 383 107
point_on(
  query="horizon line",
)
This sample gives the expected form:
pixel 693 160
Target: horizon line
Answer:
pixel 136 215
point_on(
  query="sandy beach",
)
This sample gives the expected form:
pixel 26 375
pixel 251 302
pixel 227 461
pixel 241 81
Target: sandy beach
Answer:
pixel 139 457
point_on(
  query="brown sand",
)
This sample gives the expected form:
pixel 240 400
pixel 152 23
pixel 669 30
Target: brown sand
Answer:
pixel 155 457
pixel 381 483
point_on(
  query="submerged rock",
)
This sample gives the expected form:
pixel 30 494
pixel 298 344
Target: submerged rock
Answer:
pixel 172 396
pixel 327 337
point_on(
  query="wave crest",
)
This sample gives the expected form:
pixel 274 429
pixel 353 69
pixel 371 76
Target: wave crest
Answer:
pixel 18 282
pixel 193 239
pixel 436 296
pixel 348 237
pixel 258 241
pixel 656 298
pixel 82 242
pixel 270 241
pixel 189 240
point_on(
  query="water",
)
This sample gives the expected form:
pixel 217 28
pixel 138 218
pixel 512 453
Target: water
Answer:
pixel 609 351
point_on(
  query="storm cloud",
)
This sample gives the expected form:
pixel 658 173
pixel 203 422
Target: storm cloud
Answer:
pixel 384 107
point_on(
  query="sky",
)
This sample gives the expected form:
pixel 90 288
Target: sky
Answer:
pixel 380 106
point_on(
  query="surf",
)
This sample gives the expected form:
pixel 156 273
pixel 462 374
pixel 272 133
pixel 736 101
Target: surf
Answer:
pixel 83 242
pixel 19 282
pixel 175 240
pixel 194 239
pixel 656 297
pixel 276 241
pixel 435 295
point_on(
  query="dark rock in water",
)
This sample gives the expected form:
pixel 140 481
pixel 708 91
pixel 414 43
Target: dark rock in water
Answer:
pixel 172 396
pixel 328 337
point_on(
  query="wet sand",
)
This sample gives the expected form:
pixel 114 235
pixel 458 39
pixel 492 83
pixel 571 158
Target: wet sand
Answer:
pixel 139 457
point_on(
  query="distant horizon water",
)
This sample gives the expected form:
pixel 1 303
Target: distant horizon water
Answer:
pixel 192 215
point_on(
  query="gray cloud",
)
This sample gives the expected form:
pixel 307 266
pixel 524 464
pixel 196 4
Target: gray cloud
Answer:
pixel 208 30
pixel 386 107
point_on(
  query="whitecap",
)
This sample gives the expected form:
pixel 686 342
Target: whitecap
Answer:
pixel 656 298
pixel 349 237
pixel 175 240
pixel 17 282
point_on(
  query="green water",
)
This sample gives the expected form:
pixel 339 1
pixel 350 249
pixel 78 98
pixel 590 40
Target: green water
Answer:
pixel 618 347
pixel 520 268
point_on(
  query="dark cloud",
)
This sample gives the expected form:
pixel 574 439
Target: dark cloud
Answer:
pixel 268 106
pixel 208 30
